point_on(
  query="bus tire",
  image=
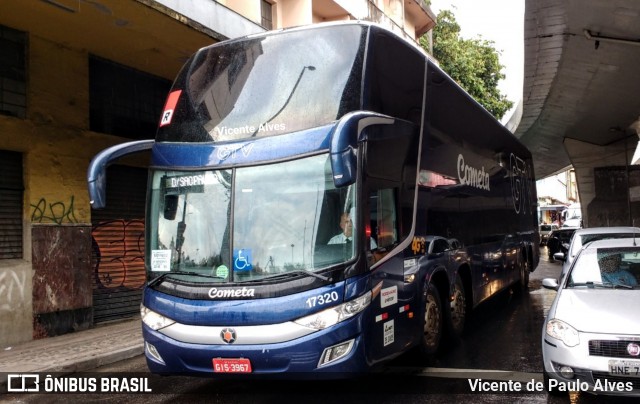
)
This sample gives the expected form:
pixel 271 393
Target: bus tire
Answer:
pixel 457 313
pixel 432 331
pixel 524 272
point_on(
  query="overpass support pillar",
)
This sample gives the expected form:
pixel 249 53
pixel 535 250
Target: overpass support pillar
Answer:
pixel 608 186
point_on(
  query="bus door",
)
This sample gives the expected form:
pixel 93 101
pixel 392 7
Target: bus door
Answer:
pixel 394 298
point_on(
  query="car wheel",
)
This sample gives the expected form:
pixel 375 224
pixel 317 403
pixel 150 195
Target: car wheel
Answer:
pixel 457 309
pixel 432 332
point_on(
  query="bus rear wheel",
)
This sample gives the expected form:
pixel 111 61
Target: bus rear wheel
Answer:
pixel 432 321
pixel 457 308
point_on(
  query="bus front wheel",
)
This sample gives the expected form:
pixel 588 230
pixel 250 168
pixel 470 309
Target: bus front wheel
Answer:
pixel 432 321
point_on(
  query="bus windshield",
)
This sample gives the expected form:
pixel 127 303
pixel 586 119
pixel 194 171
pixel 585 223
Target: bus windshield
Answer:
pixel 248 223
pixel 245 89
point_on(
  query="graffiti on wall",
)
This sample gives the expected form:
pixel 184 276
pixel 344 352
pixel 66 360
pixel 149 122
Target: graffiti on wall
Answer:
pixel 57 212
pixel 118 251
pixel 12 287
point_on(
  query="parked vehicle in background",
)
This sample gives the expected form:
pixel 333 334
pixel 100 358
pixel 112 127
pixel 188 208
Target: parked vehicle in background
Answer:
pixel 545 230
pixel 572 216
pixel 591 336
pixel 583 236
pixel 559 240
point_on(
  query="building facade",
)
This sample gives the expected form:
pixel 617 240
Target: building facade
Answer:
pixel 77 76
pixel 555 194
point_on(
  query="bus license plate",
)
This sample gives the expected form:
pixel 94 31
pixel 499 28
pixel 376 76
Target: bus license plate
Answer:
pixel 624 368
pixel 231 365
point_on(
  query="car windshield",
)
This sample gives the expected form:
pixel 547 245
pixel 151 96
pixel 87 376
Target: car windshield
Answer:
pixel 249 223
pixel 606 267
pixel 584 239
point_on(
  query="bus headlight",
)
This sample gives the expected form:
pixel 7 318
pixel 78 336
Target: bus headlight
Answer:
pixel 334 315
pixel 154 320
pixel 564 332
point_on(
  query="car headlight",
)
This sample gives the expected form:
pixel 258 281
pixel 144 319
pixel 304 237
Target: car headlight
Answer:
pixel 560 330
pixel 154 320
pixel 334 315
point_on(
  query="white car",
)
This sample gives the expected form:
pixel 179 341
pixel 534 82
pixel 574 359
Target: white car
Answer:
pixel 591 336
pixel 545 230
pixel 583 236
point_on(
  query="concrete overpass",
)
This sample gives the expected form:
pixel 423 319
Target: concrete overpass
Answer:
pixel 581 100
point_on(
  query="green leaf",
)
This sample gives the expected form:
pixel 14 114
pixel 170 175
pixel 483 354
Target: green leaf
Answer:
pixel 473 63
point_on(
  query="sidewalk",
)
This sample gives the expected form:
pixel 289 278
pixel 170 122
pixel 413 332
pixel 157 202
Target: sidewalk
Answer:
pixel 74 352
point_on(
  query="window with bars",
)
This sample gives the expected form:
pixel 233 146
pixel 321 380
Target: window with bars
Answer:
pixel 266 11
pixel 11 195
pixel 124 101
pixel 13 76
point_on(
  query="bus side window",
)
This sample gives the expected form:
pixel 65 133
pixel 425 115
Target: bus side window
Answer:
pixel 383 217
pixel 440 246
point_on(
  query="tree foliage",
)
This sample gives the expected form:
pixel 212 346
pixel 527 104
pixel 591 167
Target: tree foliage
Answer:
pixel 473 63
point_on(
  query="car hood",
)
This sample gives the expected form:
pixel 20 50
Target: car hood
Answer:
pixel 607 311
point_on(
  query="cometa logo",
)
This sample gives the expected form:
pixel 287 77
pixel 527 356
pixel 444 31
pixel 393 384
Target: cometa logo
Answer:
pixel 228 335
pixel 472 176
pixel 216 293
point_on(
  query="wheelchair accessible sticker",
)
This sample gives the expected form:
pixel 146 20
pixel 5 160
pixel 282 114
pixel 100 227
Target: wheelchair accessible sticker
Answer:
pixel 242 260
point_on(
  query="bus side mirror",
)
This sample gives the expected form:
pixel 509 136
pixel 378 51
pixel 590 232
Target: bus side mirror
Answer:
pixel 97 171
pixel 345 136
pixel 170 206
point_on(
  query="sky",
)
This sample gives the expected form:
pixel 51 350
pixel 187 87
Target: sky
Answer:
pixel 500 21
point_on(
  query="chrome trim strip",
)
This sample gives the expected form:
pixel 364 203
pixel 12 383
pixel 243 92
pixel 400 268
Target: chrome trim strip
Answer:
pixel 245 335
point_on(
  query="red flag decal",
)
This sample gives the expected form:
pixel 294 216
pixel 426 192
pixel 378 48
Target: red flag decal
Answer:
pixel 169 106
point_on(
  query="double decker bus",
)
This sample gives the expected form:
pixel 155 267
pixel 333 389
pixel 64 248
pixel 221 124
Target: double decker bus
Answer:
pixel 322 199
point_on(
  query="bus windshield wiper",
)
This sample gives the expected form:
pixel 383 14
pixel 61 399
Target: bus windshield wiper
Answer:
pixel 300 272
pixel 164 275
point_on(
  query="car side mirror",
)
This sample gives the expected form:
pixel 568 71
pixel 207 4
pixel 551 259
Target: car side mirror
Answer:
pixel 170 206
pixel 550 283
pixel 559 256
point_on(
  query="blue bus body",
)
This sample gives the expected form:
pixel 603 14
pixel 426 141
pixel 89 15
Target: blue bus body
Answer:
pixel 273 146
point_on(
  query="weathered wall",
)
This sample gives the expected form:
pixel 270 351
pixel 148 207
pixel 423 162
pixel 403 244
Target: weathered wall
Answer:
pixel 56 150
pixel 62 291
pixel 15 302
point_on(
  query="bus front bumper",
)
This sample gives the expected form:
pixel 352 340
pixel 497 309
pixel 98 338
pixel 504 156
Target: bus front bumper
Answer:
pixel 332 352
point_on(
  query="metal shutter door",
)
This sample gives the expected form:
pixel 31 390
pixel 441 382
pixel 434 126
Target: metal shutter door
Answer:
pixel 117 256
pixel 11 191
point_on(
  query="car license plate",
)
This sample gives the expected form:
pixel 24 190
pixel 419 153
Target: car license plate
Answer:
pixel 231 365
pixel 624 368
